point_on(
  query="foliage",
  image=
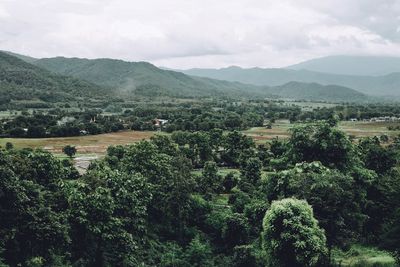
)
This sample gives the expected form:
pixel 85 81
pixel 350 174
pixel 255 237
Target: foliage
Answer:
pixel 70 151
pixel 291 235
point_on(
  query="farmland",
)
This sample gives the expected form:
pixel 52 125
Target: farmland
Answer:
pixel 89 144
pixel 356 130
pixel 97 144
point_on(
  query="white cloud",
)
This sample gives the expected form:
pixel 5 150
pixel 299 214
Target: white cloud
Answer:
pixel 200 33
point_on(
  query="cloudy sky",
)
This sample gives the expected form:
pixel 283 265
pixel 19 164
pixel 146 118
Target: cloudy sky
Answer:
pixel 201 33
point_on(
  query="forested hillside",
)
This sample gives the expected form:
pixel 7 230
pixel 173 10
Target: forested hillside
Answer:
pixel 317 92
pixel 146 79
pixel 143 78
pixel 20 80
pixel 66 79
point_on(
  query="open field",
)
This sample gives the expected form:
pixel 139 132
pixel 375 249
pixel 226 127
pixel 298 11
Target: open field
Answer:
pixel 356 129
pixel 364 129
pixel 90 144
pixel 97 144
pixel 279 129
pixel 359 255
pixel 309 106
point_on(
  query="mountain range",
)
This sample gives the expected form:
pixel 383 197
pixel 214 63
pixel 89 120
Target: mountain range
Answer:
pixel 71 77
pixel 143 76
pixel 385 85
pixel 351 65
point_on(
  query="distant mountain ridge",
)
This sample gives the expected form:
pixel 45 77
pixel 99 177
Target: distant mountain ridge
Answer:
pixel 317 92
pixel 373 85
pixel 351 65
pixel 109 78
pixel 142 77
pixel 22 57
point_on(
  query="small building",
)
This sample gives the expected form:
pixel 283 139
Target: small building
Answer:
pixel 65 120
pixel 159 122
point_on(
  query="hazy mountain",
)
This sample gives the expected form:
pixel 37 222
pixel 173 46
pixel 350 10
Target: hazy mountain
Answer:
pixel 146 79
pixel 373 85
pixel 352 65
pixel 317 92
pixel 20 80
pixel 143 78
pixel 23 57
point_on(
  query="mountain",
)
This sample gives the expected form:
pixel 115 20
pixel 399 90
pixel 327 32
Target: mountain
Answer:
pixel 23 57
pixel 317 92
pixel 20 80
pixel 374 85
pixel 51 80
pixel 144 78
pixel 352 65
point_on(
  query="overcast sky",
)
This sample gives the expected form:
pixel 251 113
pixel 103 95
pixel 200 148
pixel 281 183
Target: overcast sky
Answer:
pixel 201 33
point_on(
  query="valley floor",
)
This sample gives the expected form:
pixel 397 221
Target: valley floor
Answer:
pixel 97 144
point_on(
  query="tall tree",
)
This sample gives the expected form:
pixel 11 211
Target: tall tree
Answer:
pixel 291 235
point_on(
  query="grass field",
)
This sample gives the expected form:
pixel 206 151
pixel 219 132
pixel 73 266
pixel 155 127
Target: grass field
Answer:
pixel 97 144
pixel 364 129
pixel 89 144
pixel 356 129
pixel 363 256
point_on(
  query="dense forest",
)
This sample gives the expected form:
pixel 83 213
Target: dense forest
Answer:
pixel 168 202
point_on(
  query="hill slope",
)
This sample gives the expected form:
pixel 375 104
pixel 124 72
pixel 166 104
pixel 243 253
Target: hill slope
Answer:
pixel 374 85
pixel 23 57
pixel 20 80
pixel 317 92
pixel 144 78
pixel 351 65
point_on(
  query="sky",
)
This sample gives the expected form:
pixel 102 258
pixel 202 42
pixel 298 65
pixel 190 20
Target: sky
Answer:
pixel 185 34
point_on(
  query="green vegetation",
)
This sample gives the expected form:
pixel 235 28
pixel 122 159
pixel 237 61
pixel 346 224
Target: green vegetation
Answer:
pixel 142 78
pixel 182 171
pixel 363 256
pixel 166 202
pixel 20 80
pixel 291 235
pixel 70 151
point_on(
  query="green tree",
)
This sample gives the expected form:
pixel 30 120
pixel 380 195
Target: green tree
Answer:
pixel 235 145
pixel 250 174
pixel 70 151
pixel 199 253
pixel 211 180
pixel 376 157
pixel 391 235
pixel 291 235
pixel 32 225
pixel 333 196
pixel 108 213
pixel 9 146
pixel 321 142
